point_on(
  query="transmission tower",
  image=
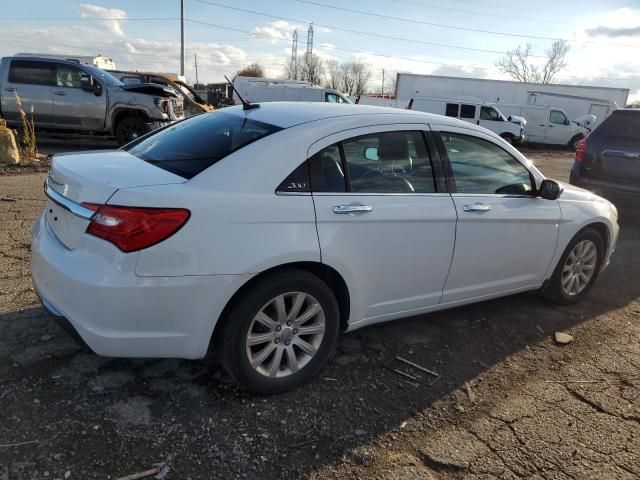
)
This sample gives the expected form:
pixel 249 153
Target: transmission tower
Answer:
pixel 310 41
pixel 294 54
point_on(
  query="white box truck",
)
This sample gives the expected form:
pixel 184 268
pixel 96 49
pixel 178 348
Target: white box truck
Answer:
pixel 258 90
pixel 511 128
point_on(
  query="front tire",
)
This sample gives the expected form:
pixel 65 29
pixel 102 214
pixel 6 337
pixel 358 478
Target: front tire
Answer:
pixel 573 143
pixel 577 269
pixel 509 138
pixel 279 334
pixel 131 128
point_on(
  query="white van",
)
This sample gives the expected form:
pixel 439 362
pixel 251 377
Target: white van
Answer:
pixel 258 90
pixel 474 111
pixel 550 125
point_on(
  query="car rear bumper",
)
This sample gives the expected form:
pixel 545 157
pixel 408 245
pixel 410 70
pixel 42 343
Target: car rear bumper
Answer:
pixel 116 313
pixel 605 188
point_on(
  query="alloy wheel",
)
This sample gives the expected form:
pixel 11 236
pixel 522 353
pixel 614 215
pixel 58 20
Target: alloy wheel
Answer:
pixel 285 334
pixel 579 267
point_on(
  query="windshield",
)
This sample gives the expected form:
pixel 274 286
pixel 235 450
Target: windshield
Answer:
pixel 100 74
pixel 193 145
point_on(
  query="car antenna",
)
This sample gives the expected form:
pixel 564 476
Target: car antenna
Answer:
pixel 245 105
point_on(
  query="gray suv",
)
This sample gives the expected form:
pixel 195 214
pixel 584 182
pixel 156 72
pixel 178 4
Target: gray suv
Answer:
pixel 76 98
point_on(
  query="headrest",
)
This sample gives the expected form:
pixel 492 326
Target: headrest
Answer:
pixel 393 147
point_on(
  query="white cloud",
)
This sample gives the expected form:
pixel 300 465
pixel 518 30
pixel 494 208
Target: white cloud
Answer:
pixel 112 17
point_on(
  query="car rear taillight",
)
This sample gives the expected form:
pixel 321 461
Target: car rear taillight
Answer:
pixel 410 104
pixel 135 228
pixel 581 149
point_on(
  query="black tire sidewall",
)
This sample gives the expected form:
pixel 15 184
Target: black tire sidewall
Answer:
pixel 232 345
pixel 130 121
pixel 509 138
pixel 554 290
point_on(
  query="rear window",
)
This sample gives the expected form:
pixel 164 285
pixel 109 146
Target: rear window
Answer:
pixel 624 123
pixel 193 145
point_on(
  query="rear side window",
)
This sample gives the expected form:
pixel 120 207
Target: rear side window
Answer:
pixel 622 123
pixel 193 145
pixel 467 111
pixel 452 110
pixel 34 73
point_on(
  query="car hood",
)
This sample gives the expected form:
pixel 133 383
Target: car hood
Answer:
pixel 571 192
pixel 150 89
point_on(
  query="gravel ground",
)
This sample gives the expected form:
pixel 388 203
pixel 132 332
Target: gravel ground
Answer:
pixel 509 403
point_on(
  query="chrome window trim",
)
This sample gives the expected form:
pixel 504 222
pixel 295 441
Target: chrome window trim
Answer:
pixel 69 205
pixel 378 194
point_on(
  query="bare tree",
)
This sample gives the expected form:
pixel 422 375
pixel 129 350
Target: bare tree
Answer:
pixel 362 75
pixel 253 70
pixel 347 78
pixel 556 61
pixel 291 70
pixel 517 63
pixel 313 69
pixel 334 74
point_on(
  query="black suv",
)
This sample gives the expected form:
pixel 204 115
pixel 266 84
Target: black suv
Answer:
pixel 608 160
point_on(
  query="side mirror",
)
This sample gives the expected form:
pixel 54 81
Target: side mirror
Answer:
pixel 89 84
pixel 371 153
pixel 549 189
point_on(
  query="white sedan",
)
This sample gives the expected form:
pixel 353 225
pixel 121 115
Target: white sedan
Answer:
pixel 256 236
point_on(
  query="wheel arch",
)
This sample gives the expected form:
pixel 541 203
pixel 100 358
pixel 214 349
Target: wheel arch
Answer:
pixel 334 280
pixel 121 113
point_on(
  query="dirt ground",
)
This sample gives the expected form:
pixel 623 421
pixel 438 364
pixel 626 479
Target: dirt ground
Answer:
pixel 509 402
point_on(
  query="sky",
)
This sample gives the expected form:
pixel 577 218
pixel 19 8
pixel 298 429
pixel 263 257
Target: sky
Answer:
pixel 459 38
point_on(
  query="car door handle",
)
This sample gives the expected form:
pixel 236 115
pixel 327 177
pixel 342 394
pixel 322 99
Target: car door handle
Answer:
pixel 9 89
pixel 476 207
pixel 60 94
pixel 346 209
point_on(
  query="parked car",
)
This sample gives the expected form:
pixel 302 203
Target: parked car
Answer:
pixel 193 103
pixel 70 97
pixel 474 111
pixel 608 160
pixel 258 235
pixel 550 125
pixel 260 90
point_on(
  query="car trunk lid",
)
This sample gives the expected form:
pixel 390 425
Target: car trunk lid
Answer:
pixel 92 178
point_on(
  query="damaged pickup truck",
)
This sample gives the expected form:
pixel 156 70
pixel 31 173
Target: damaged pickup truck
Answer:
pixel 69 97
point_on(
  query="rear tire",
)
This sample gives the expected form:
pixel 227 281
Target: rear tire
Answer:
pixel 573 143
pixel 577 269
pixel 130 128
pixel 272 355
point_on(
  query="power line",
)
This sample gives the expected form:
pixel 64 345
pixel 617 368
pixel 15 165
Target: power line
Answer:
pixel 453 27
pixel 511 17
pixel 359 32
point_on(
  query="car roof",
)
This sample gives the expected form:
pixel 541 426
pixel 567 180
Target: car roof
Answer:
pixel 289 114
pixel 50 59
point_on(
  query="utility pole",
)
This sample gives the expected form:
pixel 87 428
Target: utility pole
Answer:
pixel 294 54
pixel 182 37
pixel 195 61
pixel 383 83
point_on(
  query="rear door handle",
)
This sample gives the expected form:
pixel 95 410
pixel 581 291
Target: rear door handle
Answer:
pixel 9 89
pixel 60 94
pixel 346 209
pixel 476 207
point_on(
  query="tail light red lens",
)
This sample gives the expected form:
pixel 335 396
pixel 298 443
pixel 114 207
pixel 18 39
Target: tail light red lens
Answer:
pixel 134 228
pixel 581 150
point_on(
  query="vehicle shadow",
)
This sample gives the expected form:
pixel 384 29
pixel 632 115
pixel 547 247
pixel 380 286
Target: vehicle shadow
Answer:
pixel 186 414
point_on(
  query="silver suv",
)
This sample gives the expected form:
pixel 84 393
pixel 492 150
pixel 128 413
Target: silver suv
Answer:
pixel 67 96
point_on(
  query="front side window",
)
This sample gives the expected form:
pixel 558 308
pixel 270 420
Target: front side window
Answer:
pixel 34 73
pixel 480 166
pixel 558 118
pixel 452 110
pixel 490 113
pixel 187 148
pixel 69 76
pixel 467 111
pixel 389 162
pixel 333 98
